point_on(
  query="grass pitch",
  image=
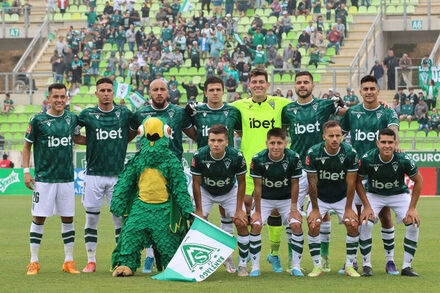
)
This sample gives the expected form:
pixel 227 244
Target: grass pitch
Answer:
pixel 14 252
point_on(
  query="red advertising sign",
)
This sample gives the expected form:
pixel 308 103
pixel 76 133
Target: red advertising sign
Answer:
pixel 429 181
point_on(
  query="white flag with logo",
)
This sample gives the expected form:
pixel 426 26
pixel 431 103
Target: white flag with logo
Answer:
pixel 136 100
pixel 122 90
pixel 202 251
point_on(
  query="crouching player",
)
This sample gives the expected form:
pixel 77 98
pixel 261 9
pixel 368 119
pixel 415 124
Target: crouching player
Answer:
pixel 276 172
pixel 215 169
pixel 331 168
pixel 385 170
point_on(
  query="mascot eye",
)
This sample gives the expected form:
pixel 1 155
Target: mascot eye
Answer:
pixel 141 131
pixel 167 131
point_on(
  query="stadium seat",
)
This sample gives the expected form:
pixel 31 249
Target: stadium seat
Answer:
pixel 18 136
pixel 427 146
pixel 23 118
pixel 406 146
pixel 410 9
pixel 437 146
pixel 76 16
pixel 8 135
pixel 362 10
pixel 432 133
pixel 420 134
pixel 418 146
pixel 15 128
pixel 403 124
pixel 414 126
pixel 372 10
pixel 390 9
pixel 67 16
pixel 5 128
pixel 410 133
pixel 352 10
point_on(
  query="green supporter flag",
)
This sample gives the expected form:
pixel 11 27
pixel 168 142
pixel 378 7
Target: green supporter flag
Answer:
pixel 202 251
pixel 429 72
pixel 136 100
pixel 238 39
pixel 186 6
pixel 122 90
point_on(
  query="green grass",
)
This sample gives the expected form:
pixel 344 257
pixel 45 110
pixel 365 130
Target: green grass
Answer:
pixel 14 252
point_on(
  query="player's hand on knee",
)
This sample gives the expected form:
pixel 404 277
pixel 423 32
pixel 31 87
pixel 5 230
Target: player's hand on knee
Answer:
pixel 240 218
pixel 296 215
pixel 412 217
pixel 350 217
pixel 29 181
pixel 314 218
pixel 367 214
pixel 256 220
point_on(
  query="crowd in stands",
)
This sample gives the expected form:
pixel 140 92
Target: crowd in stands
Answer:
pixel 16 7
pixel 209 42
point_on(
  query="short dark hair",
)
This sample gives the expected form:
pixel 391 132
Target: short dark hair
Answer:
pixel 277 132
pixel 218 129
pixel 8 95
pixel 213 80
pixel 104 80
pixel 5 156
pixel 331 123
pixel 387 131
pixel 368 78
pixel 57 86
pixel 304 73
pixel 257 72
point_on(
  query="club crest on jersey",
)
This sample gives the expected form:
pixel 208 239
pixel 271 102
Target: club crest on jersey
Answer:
pixel 226 113
pixel 342 159
pixel 315 106
pixel 295 110
pixel 272 104
pixel 118 113
pixel 379 114
pixel 395 166
pixel 171 113
pixel 227 163
pixel 266 166
pixel 204 114
pixel 68 120
pixel 285 166
pixel 48 123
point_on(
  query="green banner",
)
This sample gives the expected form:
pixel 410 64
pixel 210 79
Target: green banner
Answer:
pixel 425 159
pixel 429 72
pixel 12 182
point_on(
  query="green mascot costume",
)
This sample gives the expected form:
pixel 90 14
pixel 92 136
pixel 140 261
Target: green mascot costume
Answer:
pixel 152 192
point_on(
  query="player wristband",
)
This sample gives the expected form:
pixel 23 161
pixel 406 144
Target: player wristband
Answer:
pixel 26 170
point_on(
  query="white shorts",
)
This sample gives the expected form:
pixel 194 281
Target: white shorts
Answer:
pixel 53 198
pixel 95 188
pixel 356 200
pixel 399 203
pixel 338 207
pixel 282 205
pixel 303 188
pixel 227 201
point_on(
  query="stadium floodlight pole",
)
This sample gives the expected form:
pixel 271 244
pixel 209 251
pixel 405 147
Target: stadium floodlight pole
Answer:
pixel 396 78
pixel 404 16
pixel 429 14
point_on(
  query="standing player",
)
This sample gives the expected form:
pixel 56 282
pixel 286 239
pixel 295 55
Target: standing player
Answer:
pixel 177 120
pixel 385 171
pixel 260 113
pixel 275 171
pixel 107 133
pixel 331 168
pixel 174 116
pixel 51 134
pixel 364 121
pixel 206 115
pixel 305 119
pixel 215 169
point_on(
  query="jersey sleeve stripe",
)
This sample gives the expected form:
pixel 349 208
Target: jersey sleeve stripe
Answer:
pixel 352 170
pixel 28 140
pixel 132 129
pixel 195 173
pixel 397 124
pixel 241 173
pixel 255 176
pixel 414 174
pixel 296 176
pixel 310 171
pixel 188 127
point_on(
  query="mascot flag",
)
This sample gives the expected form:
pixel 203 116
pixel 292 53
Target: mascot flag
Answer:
pixel 203 250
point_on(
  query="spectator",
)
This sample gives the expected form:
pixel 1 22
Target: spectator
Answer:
pixel 115 19
pixel 341 28
pixel 210 67
pixel 130 36
pixel 257 22
pixel 390 63
pixel 377 71
pixel 431 91
pixel 120 39
pixel 62 5
pixel 194 52
pixel 278 93
pixel 314 56
pixel 271 55
pixel 287 56
pixel 216 48
pixel 423 121
pixel 217 7
pixel 91 17
pixel 426 61
pixel 260 4
pixel 244 76
pixel 77 66
pixel 296 59
pixel 320 27
pixel 175 94
pixel 108 9
pixel 95 59
pixel 329 5
pixel 61 46
pixel 8 104
pixel 342 13
pixel 434 120
pixel 286 23
pixel 259 57
pixel 396 107
pixel 237 97
pixel 191 91
pixel 6 163
pixel 303 8
pixel 316 9
pixel 117 5
pixel 58 68
pixel 350 99
pixel 366 3
pixel 45 105
pixel 330 93
pixel 276 8
pixel 406 62
pixel 135 18
pixel 291 7
pixel 414 99
pixel 304 39
pixel 310 28
pixel 278 64
pixel 207 3
pixel 400 96
pixel 290 96
pixel 15 7
pixel 255 31
pixel 86 74
pixel 420 108
pixel 314 38
pixel 231 88
pixel 271 39
pixel 229 7
pixel 180 42
pixel 145 19
pixel 406 111
pixel 334 39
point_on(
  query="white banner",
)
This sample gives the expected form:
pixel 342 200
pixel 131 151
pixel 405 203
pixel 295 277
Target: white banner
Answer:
pixel 136 100
pixel 122 90
pixel 202 251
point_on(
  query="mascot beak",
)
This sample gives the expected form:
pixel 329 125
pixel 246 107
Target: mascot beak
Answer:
pixel 153 128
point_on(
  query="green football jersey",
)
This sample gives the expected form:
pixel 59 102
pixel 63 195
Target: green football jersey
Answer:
pixel 52 140
pixel 276 175
pixel 305 122
pixel 176 119
pixel 107 137
pixel 386 178
pixel 364 125
pixel 206 117
pixel 256 120
pixel 331 170
pixel 218 176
